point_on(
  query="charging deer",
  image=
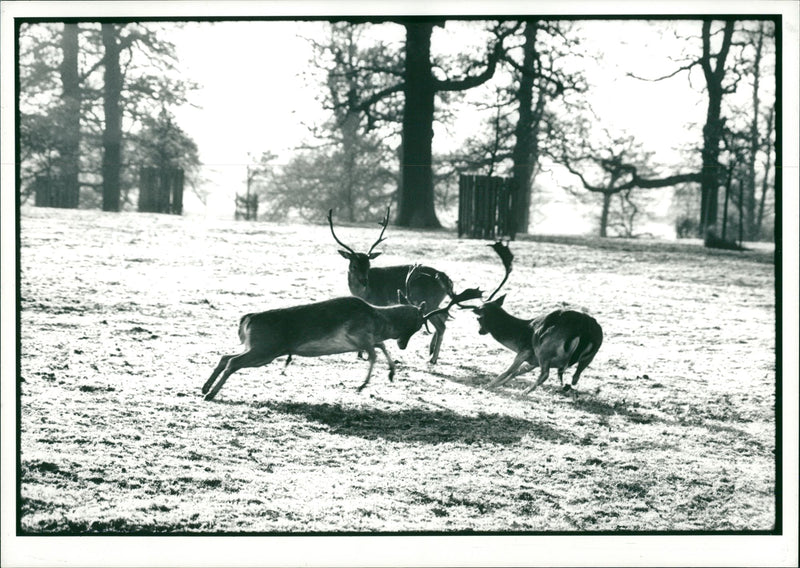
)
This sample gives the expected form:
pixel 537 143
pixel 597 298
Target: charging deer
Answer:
pixel 558 339
pixel 333 326
pixel 379 285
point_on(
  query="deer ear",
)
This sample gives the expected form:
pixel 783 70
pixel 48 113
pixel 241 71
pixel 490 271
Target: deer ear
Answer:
pixel 345 254
pixel 374 255
pixel 499 301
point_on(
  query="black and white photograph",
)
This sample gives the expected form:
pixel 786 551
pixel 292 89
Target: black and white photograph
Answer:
pixel 434 283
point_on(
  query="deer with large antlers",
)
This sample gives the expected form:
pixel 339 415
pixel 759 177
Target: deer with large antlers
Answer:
pixel 339 325
pixel 558 339
pixel 379 285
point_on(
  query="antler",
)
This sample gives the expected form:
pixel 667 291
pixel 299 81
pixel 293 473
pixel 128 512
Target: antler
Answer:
pixel 456 299
pixel 507 257
pixel 330 222
pixel 383 223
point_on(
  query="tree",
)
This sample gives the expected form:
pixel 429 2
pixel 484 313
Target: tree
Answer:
pixel 350 165
pixel 524 149
pixel 756 41
pixel 50 114
pixel 721 80
pixel 162 144
pixel 713 65
pixel 93 84
pixel 610 165
pixel 537 74
pixel 420 87
pixel 112 131
pixel 71 101
pixel 532 78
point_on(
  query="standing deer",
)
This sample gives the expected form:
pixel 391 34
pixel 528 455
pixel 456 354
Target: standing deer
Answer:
pixel 333 326
pixel 379 285
pixel 558 339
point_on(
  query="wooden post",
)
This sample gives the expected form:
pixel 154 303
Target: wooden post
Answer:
pixel 486 207
pixel 177 192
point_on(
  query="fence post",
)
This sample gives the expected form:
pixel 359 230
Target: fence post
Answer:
pixel 54 191
pixel 486 207
pixel 177 192
pixel 42 188
pixel 160 190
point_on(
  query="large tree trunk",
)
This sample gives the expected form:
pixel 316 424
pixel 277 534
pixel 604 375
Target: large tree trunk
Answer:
pixel 71 101
pixel 767 166
pixel 112 133
pixel 604 214
pixel 415 199
pixel 750 206
pixel 523 151
pixel 710 175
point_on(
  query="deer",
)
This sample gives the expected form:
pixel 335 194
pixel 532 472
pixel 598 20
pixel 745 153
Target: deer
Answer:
pixel 338 325
pixel 558 339
pixel 378 285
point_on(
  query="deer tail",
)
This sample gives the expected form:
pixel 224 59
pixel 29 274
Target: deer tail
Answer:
pixel 244 323
pixel 572 347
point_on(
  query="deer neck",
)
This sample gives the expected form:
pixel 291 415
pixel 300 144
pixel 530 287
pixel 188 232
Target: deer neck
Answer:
pixel 357 285
pixel 512 332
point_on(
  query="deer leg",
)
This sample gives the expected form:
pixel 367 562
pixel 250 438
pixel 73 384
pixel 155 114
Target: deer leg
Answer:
pixel 581 366
pixel 372 357
pixel 509 373
pixel 388 360
pixel 233 364
pixel 542 377
pixel 583 362
pixel 436 341
pixel 221 365
pixel 288 360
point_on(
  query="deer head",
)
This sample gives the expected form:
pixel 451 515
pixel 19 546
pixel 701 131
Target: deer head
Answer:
pixel 489 310
pixel 358 271
pixel 455 299
pixel 416 316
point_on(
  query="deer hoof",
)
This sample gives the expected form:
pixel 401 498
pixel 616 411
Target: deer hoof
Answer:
pixel 209 396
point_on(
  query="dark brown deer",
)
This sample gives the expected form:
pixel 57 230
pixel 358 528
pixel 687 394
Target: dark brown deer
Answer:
pixel 334 326
pixel 558 339
pixel 379 285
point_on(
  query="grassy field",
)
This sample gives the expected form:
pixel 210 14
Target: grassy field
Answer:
pixel 125 315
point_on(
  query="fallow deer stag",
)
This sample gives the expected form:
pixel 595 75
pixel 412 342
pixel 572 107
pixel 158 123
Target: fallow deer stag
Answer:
pixel 558 339
pixel 334 326
pixel 379 285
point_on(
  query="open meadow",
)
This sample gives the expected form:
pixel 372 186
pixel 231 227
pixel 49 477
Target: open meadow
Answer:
pixel 124 316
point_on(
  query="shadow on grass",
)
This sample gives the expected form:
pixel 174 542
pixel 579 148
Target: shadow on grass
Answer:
pixel 419 425
pixel 595 406
pixel 620 408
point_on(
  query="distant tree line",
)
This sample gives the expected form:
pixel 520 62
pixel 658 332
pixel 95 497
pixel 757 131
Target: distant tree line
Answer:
pixel 540 114
pixel 95 107
pixel 97 104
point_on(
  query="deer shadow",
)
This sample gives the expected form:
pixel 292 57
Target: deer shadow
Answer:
pixel 419 424
pixel 620 408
